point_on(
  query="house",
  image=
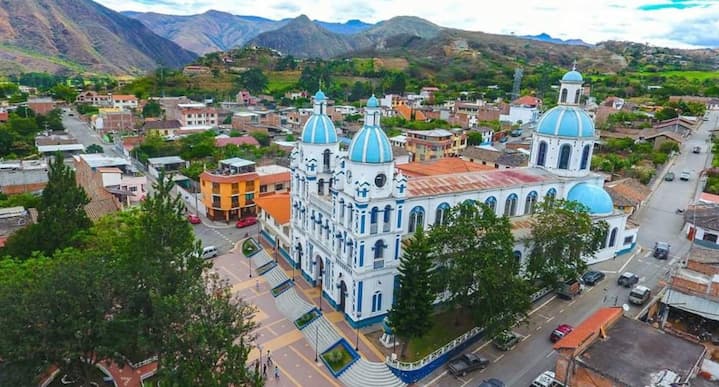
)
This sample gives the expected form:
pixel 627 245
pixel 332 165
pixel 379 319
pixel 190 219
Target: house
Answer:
pixel 229 191
pixel 94 98
pixel 22 176
pixel 713 104
pixel 125 144
pixel 110 183
pixel 273 213
pixel 252 120
pixel 124 102
pixel 524 110
pixel 113 121
pixel 410 113
pixel 627 194
pixel 399 141
pixel 485 155
pixel 161 127
pixel 293 95
pixel 167 164
pixel 435 144
pixel 657 138
pixel 244 98
pixel 41 105
pixel 195 70
pixel 708 198
pixel 678 125
pixel 701 224
pixel 222 141
pixel 273 179
pixel 51 144
pixel 194 115
pixel 4 115
pixel 609 349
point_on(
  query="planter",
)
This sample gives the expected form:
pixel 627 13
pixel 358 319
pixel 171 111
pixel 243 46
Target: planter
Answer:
pixel 250 247
pixel 307 318
pixel 339 357
pixel 281 288
pixel 266 267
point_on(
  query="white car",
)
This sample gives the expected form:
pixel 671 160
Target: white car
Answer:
pixel 546 379
pixel 685 175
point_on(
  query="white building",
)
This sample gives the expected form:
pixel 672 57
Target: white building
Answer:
pixel 351 210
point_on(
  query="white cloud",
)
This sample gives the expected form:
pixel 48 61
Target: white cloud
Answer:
pixel 592 21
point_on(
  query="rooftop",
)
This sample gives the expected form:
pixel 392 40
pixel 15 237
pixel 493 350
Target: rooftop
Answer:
pixel 703 215
pixel 97 160
pixel 443 166
pixel 271 169
pixel 277 205
pixel 165 160
pixel 431 133
pixel 627 192
pixel 243 140
pixel 162 124
pixel 478 181
pixel 701 254
pixel 237 162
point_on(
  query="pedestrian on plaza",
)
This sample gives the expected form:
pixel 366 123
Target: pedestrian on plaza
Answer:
pixel 277 372
pixel 257 286
pixel 264 370
pixel 269 358
pixel 257 366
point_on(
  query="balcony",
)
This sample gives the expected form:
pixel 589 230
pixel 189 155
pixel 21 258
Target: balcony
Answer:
pixel 378 264
pixel 323 203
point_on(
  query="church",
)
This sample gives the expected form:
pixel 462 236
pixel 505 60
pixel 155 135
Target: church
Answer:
pixel 350 210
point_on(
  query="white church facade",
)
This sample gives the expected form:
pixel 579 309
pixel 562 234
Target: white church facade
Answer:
pixel 350 210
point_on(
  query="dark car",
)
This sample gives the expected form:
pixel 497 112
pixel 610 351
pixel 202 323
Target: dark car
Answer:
pixel 467 363
pixel 669 176
pixel 592 277
pixel 506 341
pixel 244 222
pixel 661 250
pixel 627 279
pixel 491 383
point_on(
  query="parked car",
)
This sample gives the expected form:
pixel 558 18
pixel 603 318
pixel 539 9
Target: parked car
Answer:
pixel 467 363
pixel 569 289
pixel 685 175
pixel 516 133
pixel 546 379
pixel 669 176
pixel 491 383
pixel 506 341
pixel 194 219
pixel 661 250
pixel 697 149
pixel 627 279
pixel 561 331
pixel 209 252
pixel 245 222
pixel 639 295
pixel 592 277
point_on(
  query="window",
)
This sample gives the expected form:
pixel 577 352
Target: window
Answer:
pixel 510 206
pixel 236 188
pixel 710 237
pixel 387 215
pixel 320 187
pixel 326 160
pixel 564 152
pixel 551 194
pixel 379 249
pixel 416 218
pixel 563 99
pixel 530 203
pixel 377 302
pixel 216 201
pixel 263 188
pixel 215 188
pixel 576 97
pixel 613 237
pixel 235 201
pixel 342 209
pixel 279 187
pixel 249 186
pixel 249 198
pixel 491 202
pixel 374 213
pixel 542 154
pixel 585 157
pixel 440 216
pixel 133 188
pixel 628 240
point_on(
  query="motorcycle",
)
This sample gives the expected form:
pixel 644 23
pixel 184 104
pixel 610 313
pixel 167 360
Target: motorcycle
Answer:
pixel 679 211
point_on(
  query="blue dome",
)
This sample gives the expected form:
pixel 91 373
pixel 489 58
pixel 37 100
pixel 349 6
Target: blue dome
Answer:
pixel 320 96
pixel 370 145
pixel 566 121
pixel 594 197
pixel 372 102
pixel 319 129
pixel 573 76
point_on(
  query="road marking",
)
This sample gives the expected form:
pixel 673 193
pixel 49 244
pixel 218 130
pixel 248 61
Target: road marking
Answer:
pixel 433 381
pixel 587 291
pixel 573 301
pixel 542 306
pixel 539 327
pixel 629 260
pixel 542 316
pixel 609 271
pixel 561 311
pixel 550 319
pixel 481 347
pixel 549 354
pixel 526 337
pixel 499 358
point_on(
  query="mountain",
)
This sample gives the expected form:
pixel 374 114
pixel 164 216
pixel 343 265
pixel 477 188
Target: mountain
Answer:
pixel 544 37
pixel 350 27
pixel 207 32
pixel 302 38
pixel 79 35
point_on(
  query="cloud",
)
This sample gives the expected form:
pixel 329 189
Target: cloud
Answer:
pixel 666 22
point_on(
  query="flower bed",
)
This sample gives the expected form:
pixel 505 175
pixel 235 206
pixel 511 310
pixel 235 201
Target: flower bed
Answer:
pixel 339 357
pixel 250 247
pixel 281 288
pixel 307 318
pixel 266 267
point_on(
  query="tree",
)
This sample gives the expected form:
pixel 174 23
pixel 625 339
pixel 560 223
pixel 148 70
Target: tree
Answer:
pixel 474 138
pixel 562 234
pixel 254 80
pixel 94 148
pixel 152 109
pixel 64 92
pixel 261 137
pixel 409 316
pixel 61 215
pixel 478 268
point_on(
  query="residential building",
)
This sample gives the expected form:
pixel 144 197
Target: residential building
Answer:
pixel 222 141
pixel 273 213
pixel 628 194
pixel 608 349
pixel 94 98
pixel 351 210
pixel 53 143
pixel 124 102
pixel 487 155
pixel 167 164
pixel 195 70
pixel 194 115
pixel 435 144
pixel 41 105
pixel 23 176
pixel 110 183
pixel 701 224
pixel 273 179
pixel 409 113
pixel 4 116
pixel 524 110
pixel 161 127
pixel 253 120
pixel 244 98
pixel 113 121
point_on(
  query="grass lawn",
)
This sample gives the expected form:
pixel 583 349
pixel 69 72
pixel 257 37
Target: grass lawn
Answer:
pixel 248 248
pixel 444 330
pixel 690 75
pixel 337 357
pixel 281 80
pixel 306 318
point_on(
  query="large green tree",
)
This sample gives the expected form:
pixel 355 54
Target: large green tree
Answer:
pixel 478 269
pixel 415 296
pixel 61 215
pixel 562 234
pixel 152 109
pixel 254 80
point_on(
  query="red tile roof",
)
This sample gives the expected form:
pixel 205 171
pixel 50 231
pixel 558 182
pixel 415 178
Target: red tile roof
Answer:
pixel 527 100
pixel 590 328
pixel 248 140
pixel 406 113
pixel 124 97
pixel 275 178
pixel 477 181
pixel 443 166
pixel 709 198
pixel 277 205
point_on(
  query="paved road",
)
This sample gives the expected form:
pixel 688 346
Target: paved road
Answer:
pixel 659 222
pixel 218 234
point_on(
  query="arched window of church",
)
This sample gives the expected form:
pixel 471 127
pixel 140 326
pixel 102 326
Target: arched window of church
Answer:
pixel 440 216
pixel 510 206
pixel 585 157
pixel 530 202
pixel 542 154
pixel 491 202
pixel 374 214
pixel 350 214
pixel 321 187
pixel 576 97
pixel 563 99
pixel 416 218
pixel 342 209
pixel 551 194
pixel 386 218
pixel 326 160
pixel 379 249
pixel 565 151
pixel 613 237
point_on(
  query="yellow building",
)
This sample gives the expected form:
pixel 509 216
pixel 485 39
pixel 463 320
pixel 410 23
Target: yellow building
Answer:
pixel 435 144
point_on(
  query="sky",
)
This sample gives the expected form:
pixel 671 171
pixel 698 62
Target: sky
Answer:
pixel 670 23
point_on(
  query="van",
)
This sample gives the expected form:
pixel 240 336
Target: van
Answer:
pixel 209 252
pixel 639 295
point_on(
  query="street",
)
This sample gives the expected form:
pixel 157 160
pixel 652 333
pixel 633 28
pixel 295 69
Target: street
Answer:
pixel 218 234
pixel 658 221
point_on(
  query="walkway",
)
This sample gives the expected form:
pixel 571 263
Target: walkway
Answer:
pixel 321 334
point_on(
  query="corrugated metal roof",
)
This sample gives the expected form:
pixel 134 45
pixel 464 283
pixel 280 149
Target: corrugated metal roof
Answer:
pixel 477 181
pixel 693 304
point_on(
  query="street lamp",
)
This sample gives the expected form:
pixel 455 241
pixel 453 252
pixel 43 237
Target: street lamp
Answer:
pixel 317 333
pixel 359 314
pixel 322 272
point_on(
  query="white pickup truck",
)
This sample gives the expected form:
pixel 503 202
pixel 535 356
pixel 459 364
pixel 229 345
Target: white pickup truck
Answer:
pixel 546 379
